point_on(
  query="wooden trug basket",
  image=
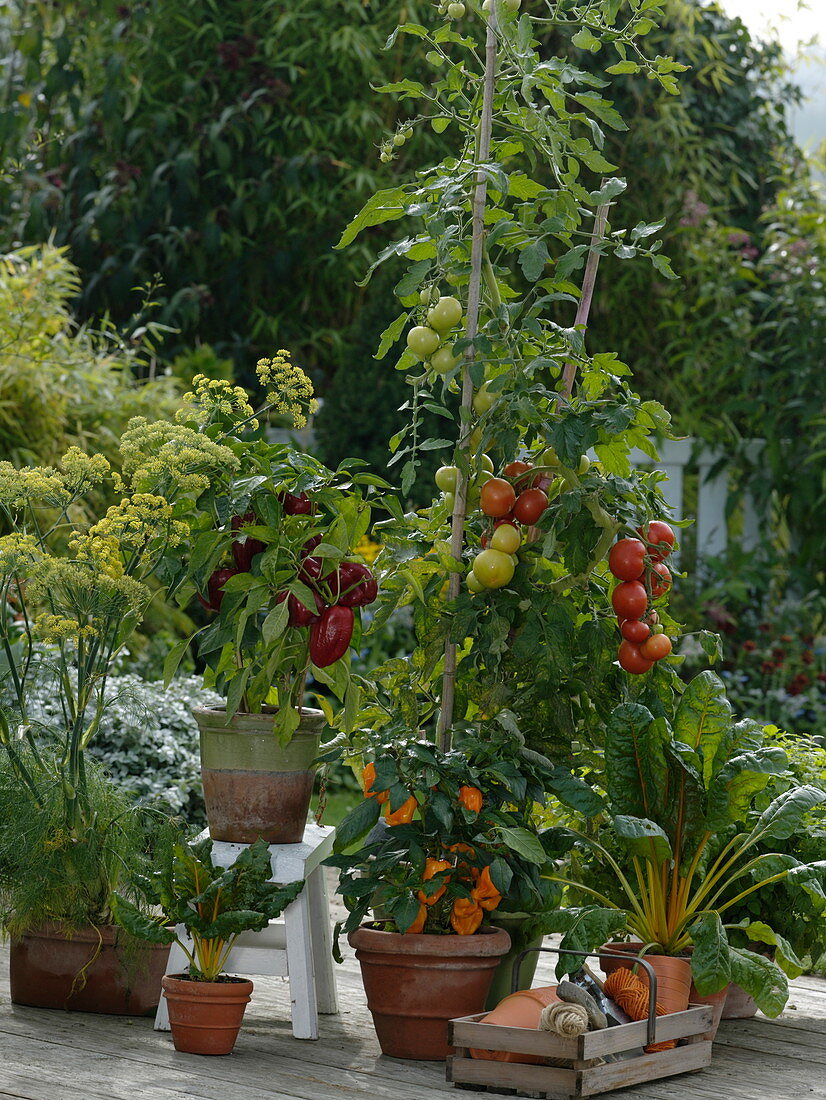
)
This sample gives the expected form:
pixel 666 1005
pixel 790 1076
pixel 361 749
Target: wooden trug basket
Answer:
pixel 579 1078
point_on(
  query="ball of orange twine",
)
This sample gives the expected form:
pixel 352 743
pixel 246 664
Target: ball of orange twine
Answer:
pixel 631 995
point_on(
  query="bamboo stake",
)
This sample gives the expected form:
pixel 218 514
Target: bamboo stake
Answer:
pixel 584 308
pixel 474 295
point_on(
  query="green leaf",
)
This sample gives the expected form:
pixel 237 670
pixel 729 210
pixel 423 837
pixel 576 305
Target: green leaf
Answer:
pixel 275 623
pixel 703 718
pixel 140 924
pixel 525 844
pixel 532 260
pixel 732 790
pixel 391 335
pixel 622 67
pixel 173 660
pixel 661 263
pixel 784 954
pixel 760 977
pixel 383 206
pixel 635 763
pixel 782 818
pixel 710 963
pixel 644 839
pixel 410 88
pixel 412 280
pixel 439 124
pixel 584 40
pixel 584 930
pixel 358 822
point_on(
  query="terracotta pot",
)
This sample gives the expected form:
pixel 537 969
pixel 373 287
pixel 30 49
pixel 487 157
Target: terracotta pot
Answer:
pixel 739 1004
pixel 47 970
pixel 673 974
pixel 416 983
pixel 205 1017
pixel 608 966
pixel 254 787
pixel 717 1003
pixel 521 1009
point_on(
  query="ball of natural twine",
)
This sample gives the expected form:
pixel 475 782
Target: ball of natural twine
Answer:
pixel 564 1019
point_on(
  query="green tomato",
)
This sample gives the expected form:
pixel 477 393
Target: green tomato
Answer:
pixel 506 538
pixel 445 315
pixel 408 133
pixel 450 500
pixel 512 5
pixel 399 139
pixel 584 465
pixel 425 295
pixel 385 158
pixel 493 568
pixel 422 341
pixel 474 585
pixel 486 463
pixel 446 478
pixel 443 361
pixel 483 399
pixel 549 457
pixel 455 11
pixel 481 477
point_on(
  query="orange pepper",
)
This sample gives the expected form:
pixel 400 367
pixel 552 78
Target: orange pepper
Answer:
pixel 419 922
pixel 466 916
pixel 404 814
pixel 433 867
pixel 368 778
pixel 484 893
pixel 471 798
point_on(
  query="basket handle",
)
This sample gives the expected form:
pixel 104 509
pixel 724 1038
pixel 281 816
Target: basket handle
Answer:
pixel 649 969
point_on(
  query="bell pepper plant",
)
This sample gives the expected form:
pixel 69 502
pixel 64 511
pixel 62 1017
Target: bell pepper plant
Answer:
pixel 271 555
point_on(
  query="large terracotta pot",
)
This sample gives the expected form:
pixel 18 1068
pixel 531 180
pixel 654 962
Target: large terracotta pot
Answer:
pixel 87 972
pixel 205 1017
pixel 716 1002
pixel 416 983
pixel 254 787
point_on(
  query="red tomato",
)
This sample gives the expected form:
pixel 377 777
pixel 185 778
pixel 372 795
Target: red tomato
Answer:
pixel 530 506
pixel 630 600
pixel 631 659
pixel 656 647
pixel 627 559
pixel 660 579
pixel 635 631
pixel 497 497
pixel 517 471
pixel 659 538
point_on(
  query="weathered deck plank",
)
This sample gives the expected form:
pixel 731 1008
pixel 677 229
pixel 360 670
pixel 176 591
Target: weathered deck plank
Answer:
pixel 60 1056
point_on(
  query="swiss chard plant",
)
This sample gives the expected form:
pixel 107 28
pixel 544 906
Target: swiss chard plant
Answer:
pixel 213 904
pixel 688 844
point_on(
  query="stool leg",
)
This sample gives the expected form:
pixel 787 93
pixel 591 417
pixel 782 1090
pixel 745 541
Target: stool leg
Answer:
pixel 325 979
pixel 300 968
pixel 177 963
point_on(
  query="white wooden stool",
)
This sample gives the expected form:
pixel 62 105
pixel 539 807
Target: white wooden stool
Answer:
pixel 298 945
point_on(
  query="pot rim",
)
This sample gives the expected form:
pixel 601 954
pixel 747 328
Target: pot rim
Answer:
pixel 488 941
pixel 310 712
pixel 231 982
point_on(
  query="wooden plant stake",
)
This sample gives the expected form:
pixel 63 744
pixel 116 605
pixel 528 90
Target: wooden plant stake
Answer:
pixel 474 294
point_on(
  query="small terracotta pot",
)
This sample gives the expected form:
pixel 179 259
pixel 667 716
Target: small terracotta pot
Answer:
pixel 521 1009
pixel 673 974
pixel 87 971
pixel 416 983
pixel 205 1017
pixel 739 1004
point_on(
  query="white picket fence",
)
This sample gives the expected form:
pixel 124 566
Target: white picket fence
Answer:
pixel 712 529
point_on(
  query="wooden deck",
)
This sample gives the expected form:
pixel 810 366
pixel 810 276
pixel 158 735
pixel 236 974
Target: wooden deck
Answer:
pixel 47 1055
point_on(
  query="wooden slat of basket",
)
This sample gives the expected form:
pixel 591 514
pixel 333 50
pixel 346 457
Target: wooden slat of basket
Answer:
pixel 469 1032
pixel 556 1083
pixel 676 1025
pixel 649 1067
